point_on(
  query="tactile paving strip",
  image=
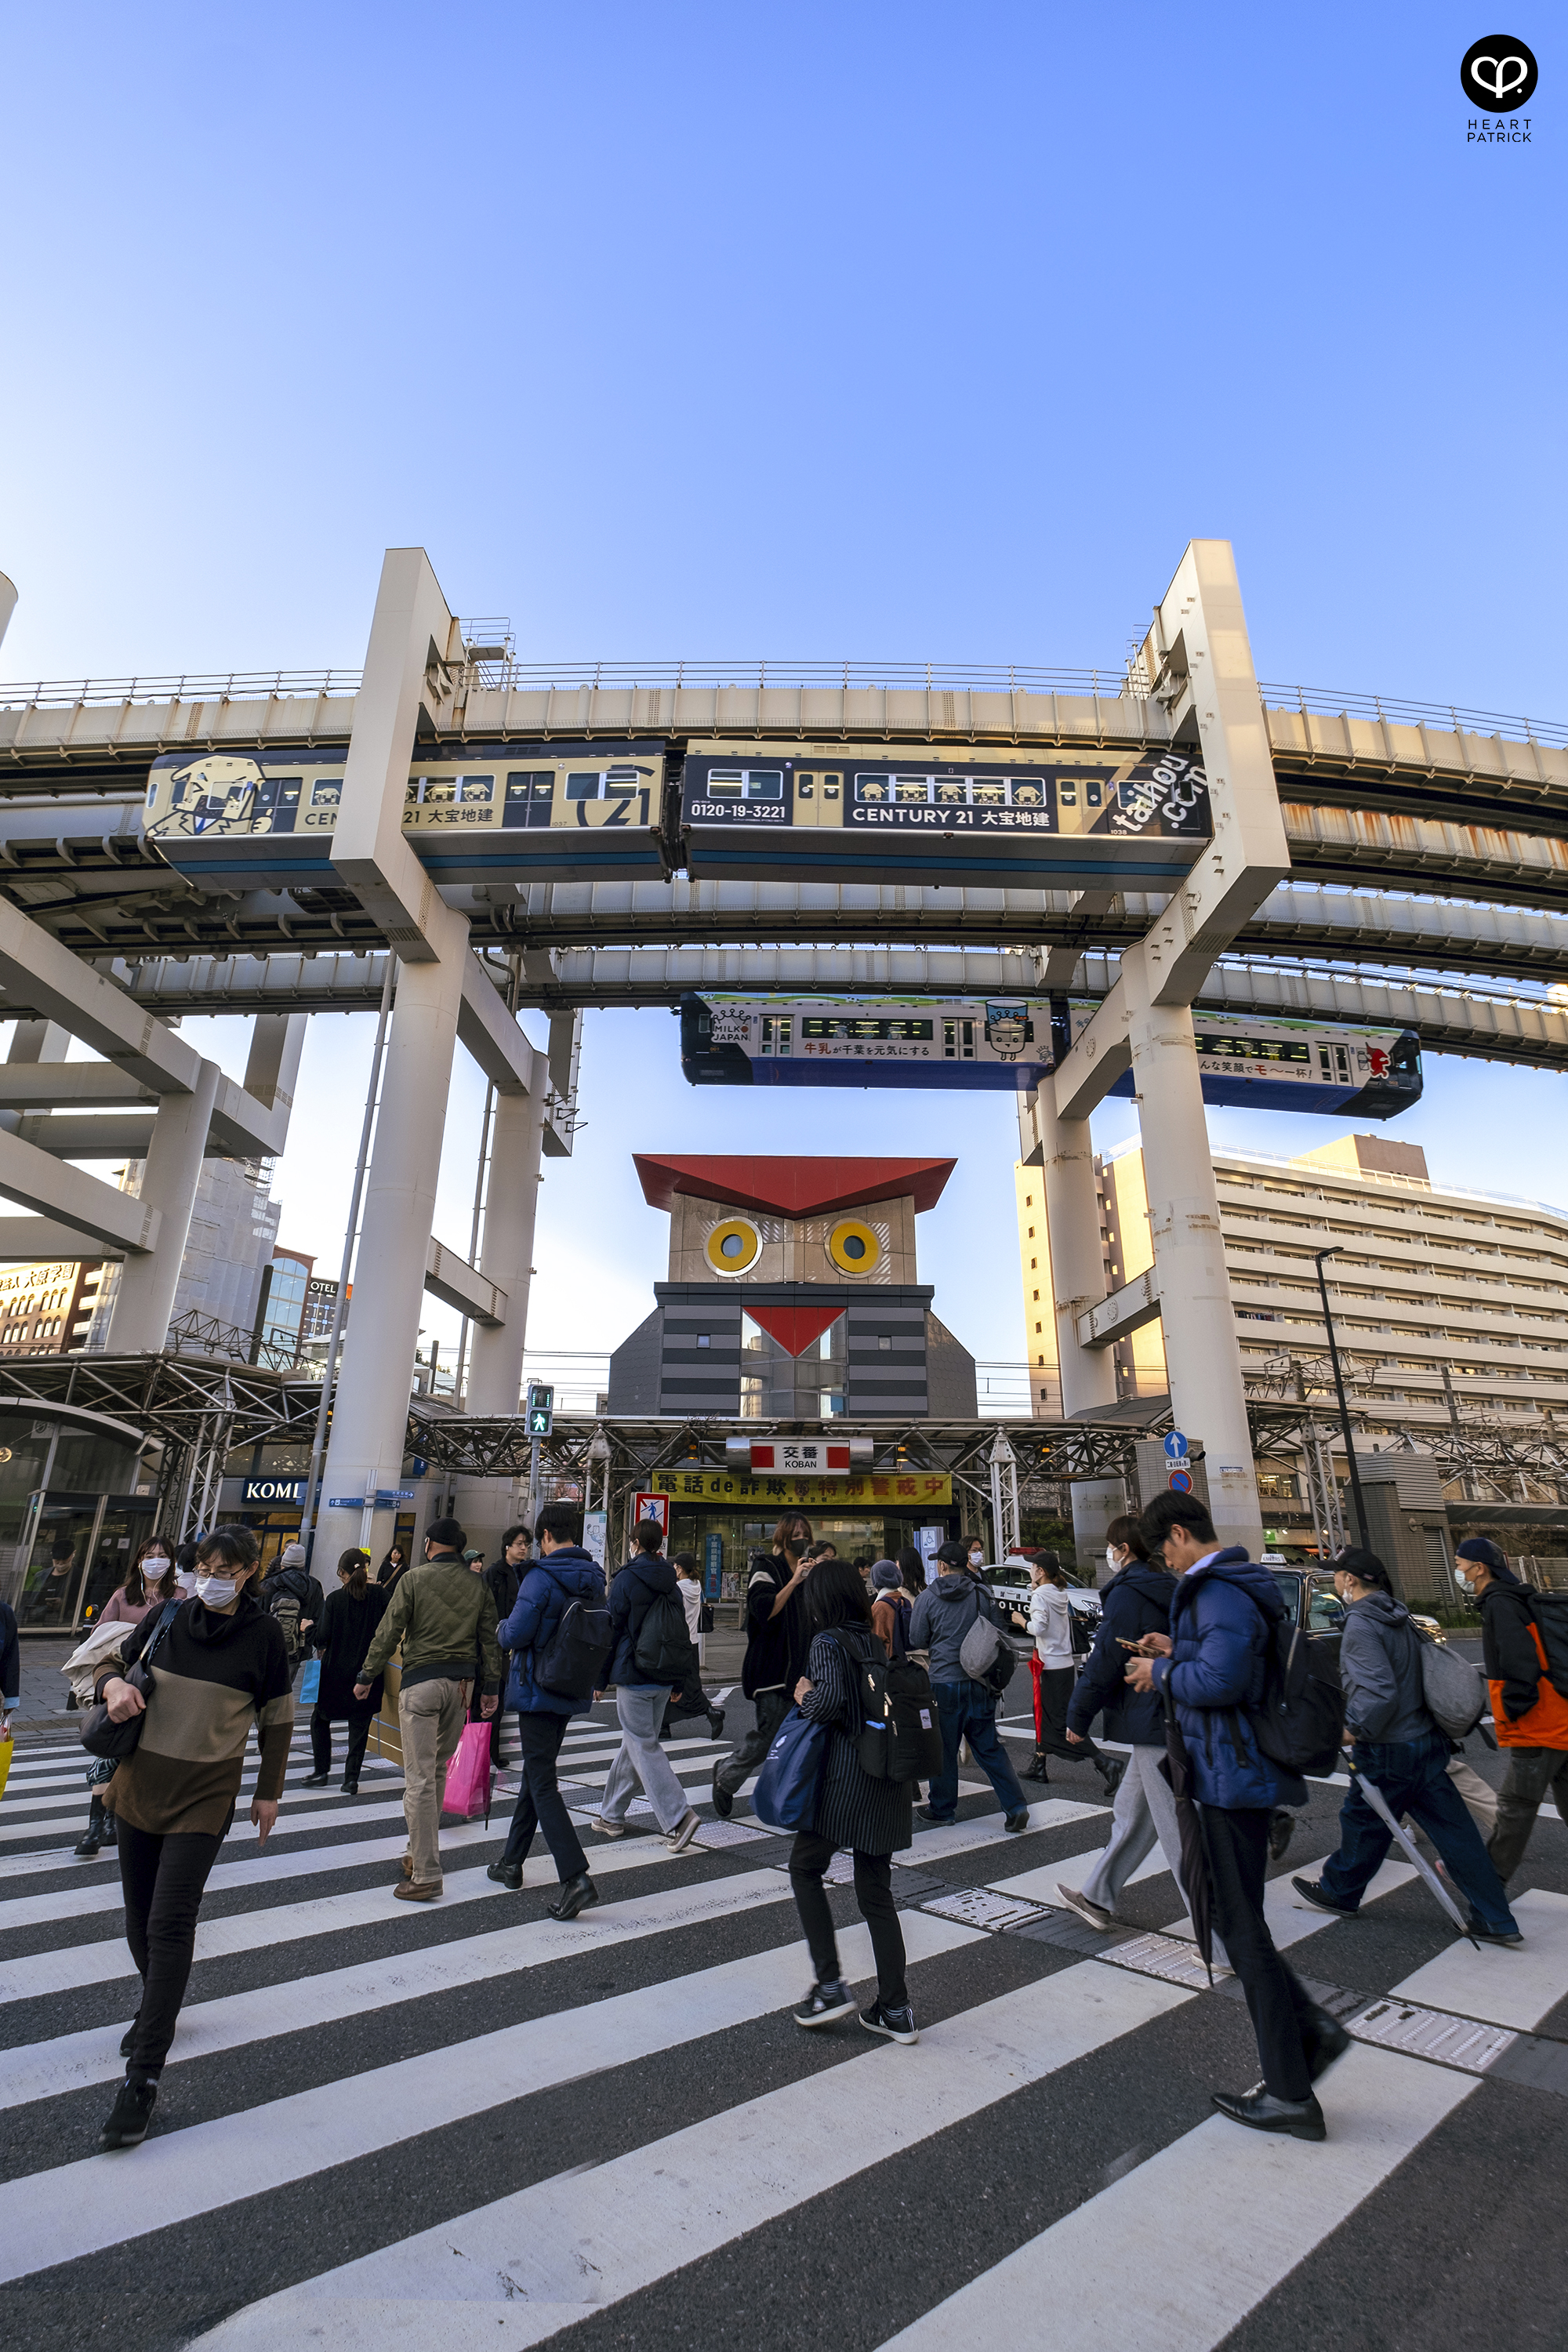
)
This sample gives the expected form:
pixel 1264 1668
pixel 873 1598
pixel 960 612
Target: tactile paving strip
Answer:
pixel 1167 1957
pixel 1459 2041
pixel 717 1833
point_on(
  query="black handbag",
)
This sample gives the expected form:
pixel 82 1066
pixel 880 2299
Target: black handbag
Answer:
pixel 100 1734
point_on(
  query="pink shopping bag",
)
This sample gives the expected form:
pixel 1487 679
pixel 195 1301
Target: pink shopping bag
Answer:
pixel 467 1789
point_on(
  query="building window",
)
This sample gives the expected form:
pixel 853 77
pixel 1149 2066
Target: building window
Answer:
pixel 704 1339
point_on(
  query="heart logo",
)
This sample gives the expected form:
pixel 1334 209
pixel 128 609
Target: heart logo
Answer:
pixel 1508 74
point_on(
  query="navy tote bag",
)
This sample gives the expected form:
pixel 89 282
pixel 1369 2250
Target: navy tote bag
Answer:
pixel 789 1786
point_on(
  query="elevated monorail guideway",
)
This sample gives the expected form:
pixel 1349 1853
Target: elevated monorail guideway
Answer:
pixel 1009 1045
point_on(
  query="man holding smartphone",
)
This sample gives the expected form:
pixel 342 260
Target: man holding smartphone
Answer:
pixel 1223 1613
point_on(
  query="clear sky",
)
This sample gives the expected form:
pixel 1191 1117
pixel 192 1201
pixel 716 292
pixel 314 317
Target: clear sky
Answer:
pixel 870 331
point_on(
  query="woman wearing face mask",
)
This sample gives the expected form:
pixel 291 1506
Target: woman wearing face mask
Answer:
pixel 1055 1671
pixel 149 1581
pixel 220 1666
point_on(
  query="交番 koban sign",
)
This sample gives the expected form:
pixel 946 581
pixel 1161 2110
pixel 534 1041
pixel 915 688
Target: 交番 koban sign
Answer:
pixel 895 1491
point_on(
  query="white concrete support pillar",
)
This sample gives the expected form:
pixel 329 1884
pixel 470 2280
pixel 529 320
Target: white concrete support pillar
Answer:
pixel 146 1297
pixel 38 1040
pixel 406 682
pixel 1077 1283
pixel 486 1505
pixel 1197 1319
pixel 375 1371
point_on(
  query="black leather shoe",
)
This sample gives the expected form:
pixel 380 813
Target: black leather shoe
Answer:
pixel 723 1802
pixel 315 1779
pixel 506 1873
pixel 1016 1822
pixel 131 2114
pixel 1260 2111
pixel 937 1820
pixel 1314 1891
pixel 129 2038
pixel 351 1789
pixel 1508 1937
pixel 1324 2041
pixel 1110 1770
pixel 716 1725
pixel 1034 1770
pixel 575 1896
pixel 1281 1824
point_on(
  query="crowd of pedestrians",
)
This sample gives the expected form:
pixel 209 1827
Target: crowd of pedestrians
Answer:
pixel 196 1649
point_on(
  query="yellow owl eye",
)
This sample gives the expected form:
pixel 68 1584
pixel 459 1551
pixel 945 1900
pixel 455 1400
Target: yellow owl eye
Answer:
pixel 733 1246
pixel 854 1247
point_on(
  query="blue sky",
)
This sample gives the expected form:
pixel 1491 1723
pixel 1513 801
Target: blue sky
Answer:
pixel 866 330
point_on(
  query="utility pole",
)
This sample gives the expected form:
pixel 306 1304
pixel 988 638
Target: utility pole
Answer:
pixel 1319 1255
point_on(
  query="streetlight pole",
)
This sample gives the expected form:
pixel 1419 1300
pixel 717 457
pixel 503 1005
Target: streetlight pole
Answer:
pixel 1319 1255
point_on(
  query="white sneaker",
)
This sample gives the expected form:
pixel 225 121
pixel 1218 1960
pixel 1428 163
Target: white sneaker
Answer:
pixel 681 1835
pixel 603 1828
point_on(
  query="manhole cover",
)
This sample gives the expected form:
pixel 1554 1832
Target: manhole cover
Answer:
pixel 976 1907
pixel 717 1833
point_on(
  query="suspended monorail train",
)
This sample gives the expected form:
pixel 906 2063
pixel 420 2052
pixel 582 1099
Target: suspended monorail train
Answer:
pixel 1009 1046
pixel 639 808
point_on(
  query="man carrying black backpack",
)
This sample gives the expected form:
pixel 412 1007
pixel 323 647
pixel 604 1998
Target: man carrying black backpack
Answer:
pixel 650 1655
pixel 1213 1663
pixel 292 1594
pixel 555 1632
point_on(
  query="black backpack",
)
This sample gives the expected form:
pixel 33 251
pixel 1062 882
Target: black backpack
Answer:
pixel 571 1662
pixel 663 1651
pixel 1300 1724
pixel 1549 1615
pixel 900 1735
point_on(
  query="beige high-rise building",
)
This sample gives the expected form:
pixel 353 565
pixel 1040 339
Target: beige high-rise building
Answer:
pixel 1435 1292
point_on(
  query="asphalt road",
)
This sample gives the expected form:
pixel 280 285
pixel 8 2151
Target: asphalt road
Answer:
pixel 465 2124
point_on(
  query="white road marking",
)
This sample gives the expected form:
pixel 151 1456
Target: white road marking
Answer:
pixel 45 2218
pixel 66 1969
pixel 984 1829
pixel 1500 1987
pixel 1174 2257
pixel 516 2270
pixel 44 2070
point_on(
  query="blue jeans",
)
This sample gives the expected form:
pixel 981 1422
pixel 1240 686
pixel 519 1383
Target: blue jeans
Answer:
pixel 968 1711
pixel 1412 1778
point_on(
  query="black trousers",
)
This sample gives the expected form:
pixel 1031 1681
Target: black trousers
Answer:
pixel 321 1742
pixel 810 1857
pixel 540 1804
pixel 1053 1694
pixel 1278 2003
pixel 162 1880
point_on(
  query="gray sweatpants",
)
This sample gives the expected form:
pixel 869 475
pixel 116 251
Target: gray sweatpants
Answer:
pixel 640 1757
pixel 1144 1809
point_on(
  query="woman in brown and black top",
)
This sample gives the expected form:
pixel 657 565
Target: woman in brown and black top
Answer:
pixel 220 1666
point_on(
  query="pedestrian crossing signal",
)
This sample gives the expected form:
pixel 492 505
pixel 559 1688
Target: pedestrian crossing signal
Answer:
pixel 541 1411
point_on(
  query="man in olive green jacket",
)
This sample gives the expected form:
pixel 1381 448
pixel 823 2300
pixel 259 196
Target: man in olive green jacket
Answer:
pixel 444 1616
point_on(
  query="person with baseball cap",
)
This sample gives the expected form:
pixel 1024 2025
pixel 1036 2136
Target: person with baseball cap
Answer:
pixel 1529 1713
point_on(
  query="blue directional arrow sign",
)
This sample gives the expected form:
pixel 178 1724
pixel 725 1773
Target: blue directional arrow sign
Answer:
pixel 1175 1445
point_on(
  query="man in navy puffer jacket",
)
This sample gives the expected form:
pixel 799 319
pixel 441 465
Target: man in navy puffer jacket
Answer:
pixel 1223 1615
pixel 563 1573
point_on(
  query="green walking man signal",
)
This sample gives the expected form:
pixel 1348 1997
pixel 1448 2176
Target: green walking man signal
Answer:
pixel 541 1409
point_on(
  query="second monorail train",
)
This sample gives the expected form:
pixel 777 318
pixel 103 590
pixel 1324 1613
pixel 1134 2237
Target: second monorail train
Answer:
pixel 1009 1046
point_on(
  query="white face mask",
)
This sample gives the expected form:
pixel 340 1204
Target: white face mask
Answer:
pixel 185 1578
pixel 1113 1558
pixel 218 1592
pixel 1461 1579
pixel 975 1559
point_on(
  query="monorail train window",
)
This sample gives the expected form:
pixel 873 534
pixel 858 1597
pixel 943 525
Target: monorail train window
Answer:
pixel 776 1034
pixel 873 788
pixel 327 796
pixel 530 784
pixel 1339 1066
pixel 431 792
pixel 1067 794
pixel 745 783
pixel 475 788
pixel 911 788
pixel 1028 792
pixel 958 1040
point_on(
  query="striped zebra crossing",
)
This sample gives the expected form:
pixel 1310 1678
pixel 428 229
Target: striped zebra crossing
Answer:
pixel 334 2039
